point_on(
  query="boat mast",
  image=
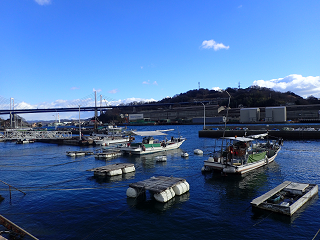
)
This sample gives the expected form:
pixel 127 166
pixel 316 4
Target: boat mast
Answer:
pixel 225 122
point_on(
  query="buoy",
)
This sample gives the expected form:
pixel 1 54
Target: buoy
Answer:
pixel 184 154
pixel 71 154
pixel 80 153
pixel 198 151
pixel 181 188
pixel 131 192
pixel 128 169
pixel 114 172
pixel 187 185
pixel 210 159
pixel 164 196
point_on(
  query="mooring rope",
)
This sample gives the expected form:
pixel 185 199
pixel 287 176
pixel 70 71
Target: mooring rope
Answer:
pixel 316 234
pixel 65 210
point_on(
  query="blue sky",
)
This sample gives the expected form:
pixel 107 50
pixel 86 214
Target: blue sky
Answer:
pixel 55 52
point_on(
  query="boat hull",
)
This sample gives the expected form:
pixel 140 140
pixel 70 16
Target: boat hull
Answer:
pixel 238 169
pixel 153 149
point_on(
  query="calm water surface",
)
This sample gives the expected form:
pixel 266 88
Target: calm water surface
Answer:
pixel 64 201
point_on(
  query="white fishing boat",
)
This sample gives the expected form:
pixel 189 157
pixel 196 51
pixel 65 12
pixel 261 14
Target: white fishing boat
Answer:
pixel 113 135
pixel 107 140
pixel 151 145
pixel 240 155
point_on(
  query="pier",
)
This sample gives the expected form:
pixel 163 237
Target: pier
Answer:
pixel 294 134
pixel 14 229
pixel 35 135
pixel 286 198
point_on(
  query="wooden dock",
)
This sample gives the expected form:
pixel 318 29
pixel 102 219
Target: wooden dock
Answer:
pixel 78 153
pixel 157 184
pixel 163 188
pixel 12 227
pixel 113 169
pixel 286 198
pixel 107 154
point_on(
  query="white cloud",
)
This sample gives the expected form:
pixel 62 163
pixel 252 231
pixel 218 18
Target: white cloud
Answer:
pixel 155 83
pixel 212 44
pixel 74 88
pixel 96 90
pixel 43 2
pixel 217 89
pixel 302 86
pixel 146 82
pixel 113 91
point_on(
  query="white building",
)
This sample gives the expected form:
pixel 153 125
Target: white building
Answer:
pixel 276 114
pixel 249 115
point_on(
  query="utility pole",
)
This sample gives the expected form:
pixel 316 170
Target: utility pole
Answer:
pixel 95 111
pixel 204 116
pixel 100 104
pixel 10 114
pixel 79 125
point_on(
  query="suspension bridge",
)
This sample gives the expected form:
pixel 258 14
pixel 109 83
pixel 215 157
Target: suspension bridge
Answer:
pixel 86 104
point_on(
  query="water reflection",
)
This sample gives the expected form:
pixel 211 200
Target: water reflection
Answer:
pixel 260 214
pixel 111 179
pixel 150 204
pixel 243 187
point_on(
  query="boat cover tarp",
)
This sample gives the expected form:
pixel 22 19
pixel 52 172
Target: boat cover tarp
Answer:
pixel 148 133
pixel 242 139
pixel 256 157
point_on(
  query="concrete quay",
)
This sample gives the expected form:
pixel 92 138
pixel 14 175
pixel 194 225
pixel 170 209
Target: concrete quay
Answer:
pixel 294 132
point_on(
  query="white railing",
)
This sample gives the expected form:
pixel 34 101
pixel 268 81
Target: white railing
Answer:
pixel 11 135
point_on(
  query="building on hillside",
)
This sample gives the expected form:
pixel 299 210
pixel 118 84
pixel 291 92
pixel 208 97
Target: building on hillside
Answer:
pixel 303 112
pixel 249 115
pixel 276 114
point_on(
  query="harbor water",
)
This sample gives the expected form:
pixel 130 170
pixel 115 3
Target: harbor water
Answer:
pixel 64 201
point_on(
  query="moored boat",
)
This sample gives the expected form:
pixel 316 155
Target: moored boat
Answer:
pixel 151 145
pixel 107 140
pixel 241 155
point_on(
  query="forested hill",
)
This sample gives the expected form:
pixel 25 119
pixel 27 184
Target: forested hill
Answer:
pixel 253 96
